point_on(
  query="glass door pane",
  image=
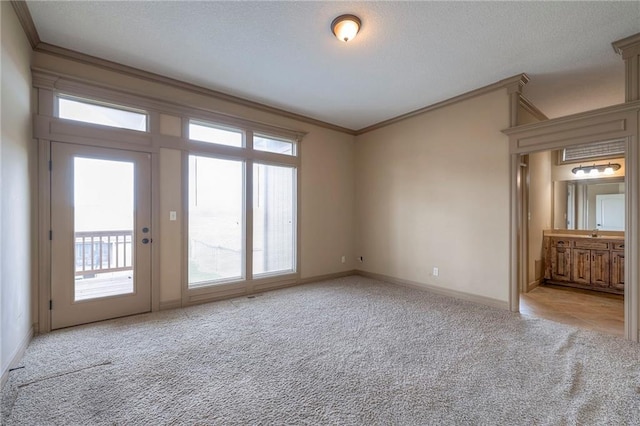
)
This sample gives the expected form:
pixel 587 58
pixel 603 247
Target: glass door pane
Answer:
pixel 103 228
pixel 274 227
pixel 216 221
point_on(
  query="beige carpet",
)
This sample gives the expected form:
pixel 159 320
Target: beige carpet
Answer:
pixel 347 351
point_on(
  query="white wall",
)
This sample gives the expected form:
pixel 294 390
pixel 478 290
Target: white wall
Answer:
pixel 540 210
pixel 433 191
pixel 15 183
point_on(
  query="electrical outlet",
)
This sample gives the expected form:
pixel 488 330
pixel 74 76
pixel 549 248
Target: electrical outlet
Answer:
pixel 344 259
pixel 436 271
pixel 172 215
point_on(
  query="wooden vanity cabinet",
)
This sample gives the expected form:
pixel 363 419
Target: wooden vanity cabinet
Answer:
pixel 594 263
pixel 600 275
pixel 617 269
pixel 561 263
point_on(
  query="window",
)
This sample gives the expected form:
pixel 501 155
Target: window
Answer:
pixel 106 115
pixel 264 172
pixel 203 132
pixel 216 220
pixel 605 149
pixel 273 218
pixel 278 146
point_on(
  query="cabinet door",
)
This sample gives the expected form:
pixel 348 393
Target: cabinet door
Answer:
pixel 581 266
pixel 560 263
pixel 617 270
pixel 600 268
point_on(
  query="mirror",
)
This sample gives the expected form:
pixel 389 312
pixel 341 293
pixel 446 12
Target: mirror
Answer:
pixel 589 204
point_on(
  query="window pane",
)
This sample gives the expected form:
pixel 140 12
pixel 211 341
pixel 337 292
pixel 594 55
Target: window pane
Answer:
pixel 101 114
pixel 215 220
pixel 103 223
pixel 204 133
pixel 262 143
pixel 274 228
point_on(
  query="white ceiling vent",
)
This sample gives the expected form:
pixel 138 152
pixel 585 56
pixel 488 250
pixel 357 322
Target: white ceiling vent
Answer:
pixel 594 150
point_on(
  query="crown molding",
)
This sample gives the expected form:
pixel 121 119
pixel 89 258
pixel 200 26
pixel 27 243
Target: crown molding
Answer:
pixel 613 109
pixel 24 16
pixel 516 83
pixel 513 84
pixel 70 85
pixel 627 46
pixel 26 20
pixel 157 78
pixel 532 109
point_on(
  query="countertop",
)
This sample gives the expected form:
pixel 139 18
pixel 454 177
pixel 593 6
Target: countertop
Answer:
pixel 587 236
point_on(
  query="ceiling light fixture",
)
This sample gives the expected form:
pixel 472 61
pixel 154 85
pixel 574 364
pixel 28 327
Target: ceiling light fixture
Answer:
pixel 606 169
pixel 346 27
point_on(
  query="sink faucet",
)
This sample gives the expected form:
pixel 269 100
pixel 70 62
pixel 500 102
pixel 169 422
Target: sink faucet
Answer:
pixel 594 233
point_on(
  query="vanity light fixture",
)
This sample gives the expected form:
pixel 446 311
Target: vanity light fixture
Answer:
pixel 346 27
pixel 595 170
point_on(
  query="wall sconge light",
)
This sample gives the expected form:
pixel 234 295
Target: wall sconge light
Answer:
pixel 346 27
pixel 595 170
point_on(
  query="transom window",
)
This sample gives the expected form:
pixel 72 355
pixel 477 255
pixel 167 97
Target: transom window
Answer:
pixel 210 133
pixel 94 112
pixel 270 144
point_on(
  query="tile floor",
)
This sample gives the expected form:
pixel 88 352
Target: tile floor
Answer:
pixel 582 308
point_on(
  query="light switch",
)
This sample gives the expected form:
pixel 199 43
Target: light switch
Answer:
pixel 172 215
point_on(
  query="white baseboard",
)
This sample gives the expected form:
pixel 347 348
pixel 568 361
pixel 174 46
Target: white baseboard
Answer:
pixel 327 277
pixel 17 356
pixel 231 293
pixel 481 300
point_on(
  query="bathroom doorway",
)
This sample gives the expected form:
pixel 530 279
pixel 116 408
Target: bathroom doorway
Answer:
pixel 571 266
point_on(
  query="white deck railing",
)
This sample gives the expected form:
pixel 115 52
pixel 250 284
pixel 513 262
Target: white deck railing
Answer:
pixel 103 251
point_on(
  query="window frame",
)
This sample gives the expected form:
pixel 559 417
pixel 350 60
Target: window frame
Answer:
pixel 296 218
pixel 294 144
pixel 243 268
pixel 100 103
pixel 203 123
pixel 250 282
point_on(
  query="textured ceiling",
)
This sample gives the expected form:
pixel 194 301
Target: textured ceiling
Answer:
pixel 408 54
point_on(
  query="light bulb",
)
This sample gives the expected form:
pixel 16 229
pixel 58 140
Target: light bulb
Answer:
pixel 594 172
pixel 580 172
pixel 608 170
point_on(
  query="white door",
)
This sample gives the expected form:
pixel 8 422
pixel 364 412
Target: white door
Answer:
pixel 610 212
pixel 101 236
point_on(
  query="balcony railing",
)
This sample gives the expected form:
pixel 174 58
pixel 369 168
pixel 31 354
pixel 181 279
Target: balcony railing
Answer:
pixel 103 251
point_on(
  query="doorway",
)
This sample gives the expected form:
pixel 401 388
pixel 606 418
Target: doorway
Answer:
pixel 572 248
pixel 100 234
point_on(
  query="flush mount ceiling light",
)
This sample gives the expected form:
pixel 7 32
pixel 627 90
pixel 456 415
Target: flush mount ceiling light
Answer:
pixel 605 169
pixel 346 27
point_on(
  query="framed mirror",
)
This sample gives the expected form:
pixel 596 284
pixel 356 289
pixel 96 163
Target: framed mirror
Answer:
pixel 589 204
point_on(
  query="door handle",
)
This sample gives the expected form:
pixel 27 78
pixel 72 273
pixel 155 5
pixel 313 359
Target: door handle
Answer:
pixel 146 240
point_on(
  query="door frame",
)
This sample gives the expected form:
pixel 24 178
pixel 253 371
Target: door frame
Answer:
pixel 78 134
pixel 97 309
pixel 523 180
pixel 616 122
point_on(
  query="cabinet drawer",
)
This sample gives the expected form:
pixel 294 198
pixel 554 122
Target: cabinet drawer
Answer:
pixel 591 244
pixel 617 246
